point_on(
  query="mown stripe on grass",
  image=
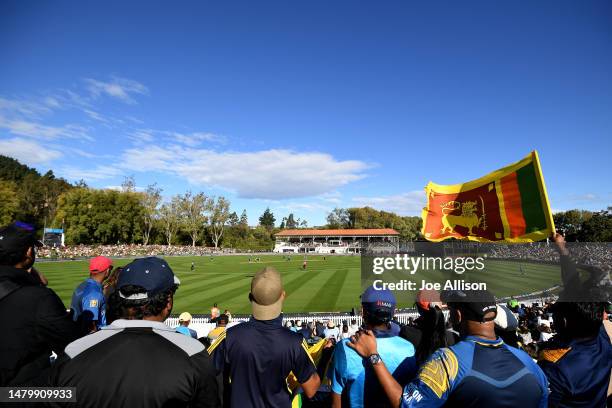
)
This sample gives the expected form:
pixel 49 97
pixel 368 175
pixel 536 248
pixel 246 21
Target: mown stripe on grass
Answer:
pixel 327 295
pixel 206 285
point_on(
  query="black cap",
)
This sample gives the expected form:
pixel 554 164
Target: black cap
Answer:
pixel 473 304
pixel 16 238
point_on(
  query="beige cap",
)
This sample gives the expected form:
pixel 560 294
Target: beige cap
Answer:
pixel 267 294
pixel 185 317
pixel 331 324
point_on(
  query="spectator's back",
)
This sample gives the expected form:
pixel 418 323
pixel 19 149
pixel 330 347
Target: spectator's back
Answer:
pixel 261 354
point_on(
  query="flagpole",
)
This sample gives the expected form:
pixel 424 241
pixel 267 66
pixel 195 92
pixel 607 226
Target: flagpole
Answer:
pixel 544 195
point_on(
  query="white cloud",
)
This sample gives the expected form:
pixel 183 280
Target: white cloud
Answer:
pixel 192 139
pixel 268 174
pixel 100 172
pixel 28 151
pixel 119 88
pixel 120 188
pixel 410 203
pixel 39 131
pixel 18 107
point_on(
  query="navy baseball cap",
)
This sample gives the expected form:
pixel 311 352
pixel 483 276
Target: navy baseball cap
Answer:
pixel 380 303
pixel 16 238
pixel 473 304
pixel 151 273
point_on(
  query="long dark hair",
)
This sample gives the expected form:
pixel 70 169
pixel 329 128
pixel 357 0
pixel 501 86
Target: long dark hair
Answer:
pixel 433 333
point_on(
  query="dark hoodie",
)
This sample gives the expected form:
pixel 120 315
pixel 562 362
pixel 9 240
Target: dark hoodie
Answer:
pixel 34 322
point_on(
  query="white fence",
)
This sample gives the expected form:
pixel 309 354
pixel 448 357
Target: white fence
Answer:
pixel 202 325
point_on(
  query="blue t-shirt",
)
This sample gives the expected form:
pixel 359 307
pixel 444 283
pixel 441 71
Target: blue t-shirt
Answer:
pixel 478 373
pixel 88 298
pixel 187 331
pixel 354 376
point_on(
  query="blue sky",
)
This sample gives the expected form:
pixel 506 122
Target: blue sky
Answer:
pixel 304 106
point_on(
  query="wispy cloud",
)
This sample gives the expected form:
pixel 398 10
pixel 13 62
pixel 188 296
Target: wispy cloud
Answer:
pixel 20 107
pixel 101 172
pixel 268 174
pixel 120 88
pixel 410 203
pixel 28 151
pixel 39 131
pixel 191 139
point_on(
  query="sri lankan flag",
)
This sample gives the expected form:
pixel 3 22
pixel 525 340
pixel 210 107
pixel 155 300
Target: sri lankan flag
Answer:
pixel 509 204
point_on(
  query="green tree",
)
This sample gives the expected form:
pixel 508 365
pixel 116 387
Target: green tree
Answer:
pixel 150 201
pixel 597 228
pixel 100 216
pixel 338 218
pixel 267 219
pixel 170 217
pixel 9 203
pixel 219 216
pixel 194 209
pixel 291 222
pixel 233 219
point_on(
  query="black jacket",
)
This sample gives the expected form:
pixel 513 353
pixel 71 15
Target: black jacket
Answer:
pixel 137 363
pixel 34 322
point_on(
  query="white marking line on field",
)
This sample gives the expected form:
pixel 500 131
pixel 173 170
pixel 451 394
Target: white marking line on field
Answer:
pixel 265 262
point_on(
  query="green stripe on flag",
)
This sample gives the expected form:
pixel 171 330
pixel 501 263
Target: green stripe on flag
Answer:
pixel 531 201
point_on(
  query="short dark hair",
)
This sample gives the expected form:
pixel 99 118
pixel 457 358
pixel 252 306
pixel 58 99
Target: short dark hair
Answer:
pixel 376 319
pixel 123 308
pixel 584 318
pixel 15 257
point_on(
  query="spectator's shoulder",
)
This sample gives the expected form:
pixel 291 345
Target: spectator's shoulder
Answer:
pixel 553 350
pixel 85 343
pixel 187 344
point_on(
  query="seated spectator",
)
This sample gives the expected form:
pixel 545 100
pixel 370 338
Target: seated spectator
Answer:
pixel 354 327
pixel 479 371
pixel 545 331
pixel 578 361
pixel 331 332
pixel 258 355
pixel 184 322
pixel 350 373
pixel 214 313
pixel 88 301
pixel 222 321
pixel 305 331
pixel 345 332
pixel 143 362
pixel 34 320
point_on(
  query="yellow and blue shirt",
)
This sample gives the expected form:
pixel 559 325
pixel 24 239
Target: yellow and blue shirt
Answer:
pixel 478 373
pixel 578 370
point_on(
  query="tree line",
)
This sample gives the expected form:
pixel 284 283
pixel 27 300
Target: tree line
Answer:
pixel 94 216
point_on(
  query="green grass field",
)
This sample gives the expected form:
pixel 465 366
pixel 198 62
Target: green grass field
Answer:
pixel 331 285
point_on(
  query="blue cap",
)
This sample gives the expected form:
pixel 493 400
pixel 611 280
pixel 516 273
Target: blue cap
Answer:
pixel 152 273
pixel 378 301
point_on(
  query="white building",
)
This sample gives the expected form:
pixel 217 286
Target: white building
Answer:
pixel 334 241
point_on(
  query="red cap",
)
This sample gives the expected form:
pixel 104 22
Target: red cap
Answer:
pixel 99 264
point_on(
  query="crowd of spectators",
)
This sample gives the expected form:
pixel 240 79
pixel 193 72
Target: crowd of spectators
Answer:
pixel 462 350
pixel 125 251
pixel 590 254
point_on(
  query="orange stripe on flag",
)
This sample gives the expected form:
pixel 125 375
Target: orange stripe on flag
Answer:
pixel 513 205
